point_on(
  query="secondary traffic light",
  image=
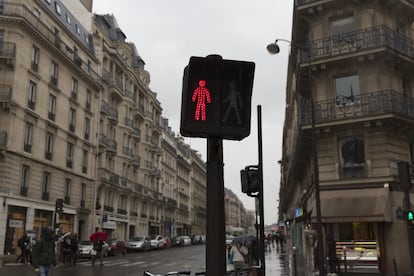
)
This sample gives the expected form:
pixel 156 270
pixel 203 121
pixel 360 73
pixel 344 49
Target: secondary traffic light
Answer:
pixel 216 98
pixel 410 216
pixel 59 206
pixel 250 180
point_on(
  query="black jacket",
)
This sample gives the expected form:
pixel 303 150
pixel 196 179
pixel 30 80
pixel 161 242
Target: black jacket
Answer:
pixel 43 252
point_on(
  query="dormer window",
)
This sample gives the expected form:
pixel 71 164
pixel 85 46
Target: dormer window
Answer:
pixel 77 29
pixel 48 1
pixel 68 19
pixel 57 8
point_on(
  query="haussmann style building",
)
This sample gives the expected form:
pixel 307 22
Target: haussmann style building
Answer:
pixel 355 60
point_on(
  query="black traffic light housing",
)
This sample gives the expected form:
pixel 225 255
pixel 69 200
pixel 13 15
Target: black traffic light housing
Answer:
pixel 250 180
pixel 216 98
pixel 404 175
pixel 59 206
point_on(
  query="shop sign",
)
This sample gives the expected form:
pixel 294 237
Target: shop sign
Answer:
pixel 109 224
pixel 298 212
pixel 15 223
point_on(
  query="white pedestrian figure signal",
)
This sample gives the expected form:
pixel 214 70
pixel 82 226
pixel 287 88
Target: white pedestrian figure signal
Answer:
pixel 235 103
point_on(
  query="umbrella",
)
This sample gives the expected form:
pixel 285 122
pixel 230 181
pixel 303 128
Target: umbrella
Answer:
pixel 98 236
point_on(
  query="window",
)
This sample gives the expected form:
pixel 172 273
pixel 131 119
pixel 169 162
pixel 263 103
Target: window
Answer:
pixel 45 186
pixel 88 99
pixel 68 185
pixel 24 183
pixel 36 13
pixel 347 89
pixel 67 18
pixel 85 161
pixel 54 74
pixel 31 99
pixel 35 58
pixel 52 107
pixel 352 157
pixel 28 137
pixel 83 191
pixel 49 146
pixel 57 8
pixel 69 155
pixel 48 1
pixel 72 119
pixel 77 29
pixel 406 87
pixel 87 128
pixel 342 26
pixel 74 89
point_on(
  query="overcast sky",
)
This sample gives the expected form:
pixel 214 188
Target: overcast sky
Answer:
pixel 168 32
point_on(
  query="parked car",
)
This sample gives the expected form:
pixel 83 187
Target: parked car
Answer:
pixel 181 241
pixel 139 243
pixel 198 239
pixel 85 247
pixel 157 241
pixel 116 247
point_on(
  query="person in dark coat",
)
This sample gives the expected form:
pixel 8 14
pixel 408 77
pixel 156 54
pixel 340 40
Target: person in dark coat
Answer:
pixel 67 251
pixel 98 247
pixel 43 253
pixel 23 244
pixel 74 249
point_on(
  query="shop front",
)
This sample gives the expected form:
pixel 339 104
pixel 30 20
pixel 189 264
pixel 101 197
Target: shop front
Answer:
pixel 16 226
pixel 42 219
pixel 353 222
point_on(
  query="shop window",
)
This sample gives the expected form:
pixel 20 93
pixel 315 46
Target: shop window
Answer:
pixel 347 90
pixel 352 157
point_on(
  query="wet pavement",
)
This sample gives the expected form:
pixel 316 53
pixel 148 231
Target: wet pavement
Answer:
pixel 276 262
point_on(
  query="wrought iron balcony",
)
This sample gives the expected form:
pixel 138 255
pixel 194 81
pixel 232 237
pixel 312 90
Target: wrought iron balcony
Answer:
pixel 5 93
pixel 377 37
pixel 376 103
pixel 109 144
pixel 109 110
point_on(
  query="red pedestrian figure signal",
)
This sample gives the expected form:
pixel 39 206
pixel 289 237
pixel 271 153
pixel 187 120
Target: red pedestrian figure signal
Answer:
pixel 202 96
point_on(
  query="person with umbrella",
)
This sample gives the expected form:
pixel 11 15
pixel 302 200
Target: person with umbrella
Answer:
pixel 98 239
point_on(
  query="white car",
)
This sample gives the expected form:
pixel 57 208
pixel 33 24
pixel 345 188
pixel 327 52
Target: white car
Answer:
pixel 139 243
pixel 157 241
pixel 186 239
pixel 85 248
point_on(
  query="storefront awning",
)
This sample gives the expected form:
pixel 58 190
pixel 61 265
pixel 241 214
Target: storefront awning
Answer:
pixel 355 205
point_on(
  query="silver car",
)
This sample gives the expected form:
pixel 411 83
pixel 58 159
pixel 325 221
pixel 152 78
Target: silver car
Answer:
pixel 139 243
pixel 157 241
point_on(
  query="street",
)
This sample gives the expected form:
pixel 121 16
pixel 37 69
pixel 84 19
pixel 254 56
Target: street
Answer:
pixel 158 261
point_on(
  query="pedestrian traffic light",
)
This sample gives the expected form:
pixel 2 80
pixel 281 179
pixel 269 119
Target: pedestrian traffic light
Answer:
pixel 250 180
pixel 216 98
pixel 59 206
pixel 404 175
pixel 410 216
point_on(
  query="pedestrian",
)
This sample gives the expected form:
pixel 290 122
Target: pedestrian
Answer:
pixel 66 251
pixel 74 248
pixel 238 251
pixel 23 243
pixel 331 253
pixel 43 255
pixel 98 248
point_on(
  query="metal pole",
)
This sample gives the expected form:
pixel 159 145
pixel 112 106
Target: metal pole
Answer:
pixel 261 205
pixel 215 251
pixel 409 229
pixel 315 170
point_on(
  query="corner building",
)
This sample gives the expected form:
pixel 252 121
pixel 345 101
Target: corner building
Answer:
pixel 361 59
pixel 49 90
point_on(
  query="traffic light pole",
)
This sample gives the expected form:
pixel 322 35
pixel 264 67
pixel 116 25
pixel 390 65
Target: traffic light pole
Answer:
pixel 261 204
pixel 215 250
pixel 409 229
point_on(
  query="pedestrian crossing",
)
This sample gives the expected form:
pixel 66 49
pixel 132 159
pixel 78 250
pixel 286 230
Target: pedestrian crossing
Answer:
pixel 122 263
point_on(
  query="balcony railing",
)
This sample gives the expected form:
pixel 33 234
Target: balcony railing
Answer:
pixel 352 171
pixel 109 110
pixel 7 49
pixel 376 103
pixel 364 39
pixel 107 143
pixel 5 93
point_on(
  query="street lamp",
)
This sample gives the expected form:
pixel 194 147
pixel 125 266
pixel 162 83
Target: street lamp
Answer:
pixel 273 48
